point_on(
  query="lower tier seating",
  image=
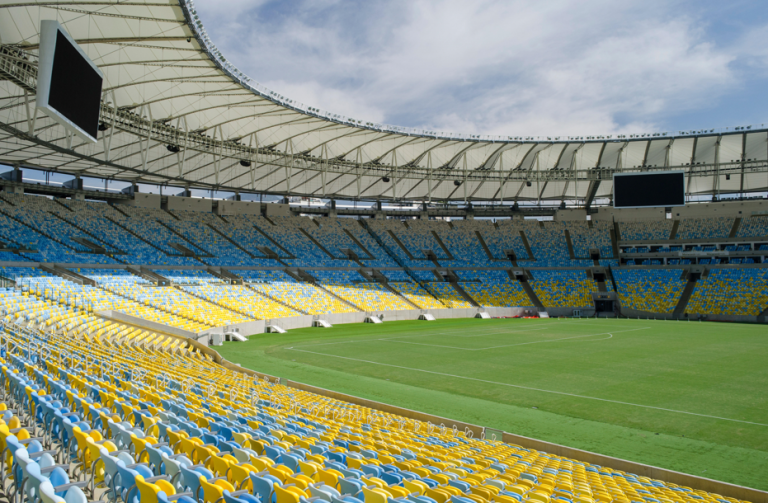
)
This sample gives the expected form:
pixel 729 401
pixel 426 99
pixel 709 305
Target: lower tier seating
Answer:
pixel 80 421
pixel 731 291
pixel 654 290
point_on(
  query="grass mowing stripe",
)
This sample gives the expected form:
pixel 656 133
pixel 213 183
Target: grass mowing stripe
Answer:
pixel 505 346
pixel 531 388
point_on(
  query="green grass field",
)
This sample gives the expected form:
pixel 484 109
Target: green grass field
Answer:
pixel 687 396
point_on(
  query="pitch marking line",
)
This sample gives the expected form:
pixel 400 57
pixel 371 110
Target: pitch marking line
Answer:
pixel 532 389
pixel 493 332
pixel 348 341
pixel 517 344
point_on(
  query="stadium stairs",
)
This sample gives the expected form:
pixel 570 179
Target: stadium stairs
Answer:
pixel 361 245
pixel 527 245
pixel 181 247
pixel 302 275
pixel 39 231
pixel 288 254
pixel 735 228
pixel 225 275
pixel 317 243
pixel 135 235
pixel 230 240
pixel 378 277
pixel 67 274
pixel 453 279
pixel 442 245
pixel 484 245
pixel 149 275
pixel 569 244
pixel 93 246
pixel 673 231
pixel 275 299
pixel 219 304
pixel 528 290
pixel 389 252
pixel 685 296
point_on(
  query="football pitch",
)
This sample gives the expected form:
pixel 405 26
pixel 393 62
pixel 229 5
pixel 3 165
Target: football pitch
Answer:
pixel 687 396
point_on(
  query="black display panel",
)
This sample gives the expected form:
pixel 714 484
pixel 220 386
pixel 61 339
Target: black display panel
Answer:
pixel 75 87
pixel 648 190
pixel 68 83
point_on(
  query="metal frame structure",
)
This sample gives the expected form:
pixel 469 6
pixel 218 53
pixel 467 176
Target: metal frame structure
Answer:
pixel 176 112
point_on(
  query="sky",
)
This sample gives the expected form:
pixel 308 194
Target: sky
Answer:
pixel 511 68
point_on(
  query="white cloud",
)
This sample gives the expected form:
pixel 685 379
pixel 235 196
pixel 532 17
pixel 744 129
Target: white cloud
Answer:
pixel 493 67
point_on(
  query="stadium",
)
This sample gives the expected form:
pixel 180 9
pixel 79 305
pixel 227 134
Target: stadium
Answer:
pixel 212 293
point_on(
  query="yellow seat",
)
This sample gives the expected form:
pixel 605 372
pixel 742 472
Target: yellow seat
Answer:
pixel 289 494
pixel 214 491
pixel 375 495
pixel 148 491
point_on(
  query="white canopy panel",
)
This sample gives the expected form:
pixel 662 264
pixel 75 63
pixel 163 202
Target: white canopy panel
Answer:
pixel 175 112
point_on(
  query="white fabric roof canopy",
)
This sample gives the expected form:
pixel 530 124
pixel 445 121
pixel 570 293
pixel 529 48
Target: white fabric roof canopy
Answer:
pixel 166 84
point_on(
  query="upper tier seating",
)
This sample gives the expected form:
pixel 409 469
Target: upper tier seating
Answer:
pixel 384 230
pixel 462 241
pixel 650 230
pixel 288 232
pixel 704 228
pixel 22 216
pixel 98 219
pixel 153 226
pixel 547 242
pixel 498 239
pixel 753 227
pixel 195 227
pixel 337 234
pixel 584 238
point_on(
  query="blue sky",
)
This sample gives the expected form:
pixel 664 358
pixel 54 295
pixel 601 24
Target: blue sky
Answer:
pixel 507 67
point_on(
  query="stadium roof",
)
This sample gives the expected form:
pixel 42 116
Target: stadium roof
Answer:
pixel 166 85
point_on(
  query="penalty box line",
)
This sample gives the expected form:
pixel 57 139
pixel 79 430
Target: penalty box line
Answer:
pixel 585 397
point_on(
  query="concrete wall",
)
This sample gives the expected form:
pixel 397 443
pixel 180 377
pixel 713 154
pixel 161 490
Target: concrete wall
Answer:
pixel 149 325
pixel 734 209
pixel 142 201
pixel 570 215
pixel 246 328
pixel 277 210
pixel 176 203
pixel 238 208
pixel 400 315
pixel 554 312
pixel 725 209
pixel 629 215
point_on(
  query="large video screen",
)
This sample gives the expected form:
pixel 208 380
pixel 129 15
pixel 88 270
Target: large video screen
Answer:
pixel 649 190
pixel 69 84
